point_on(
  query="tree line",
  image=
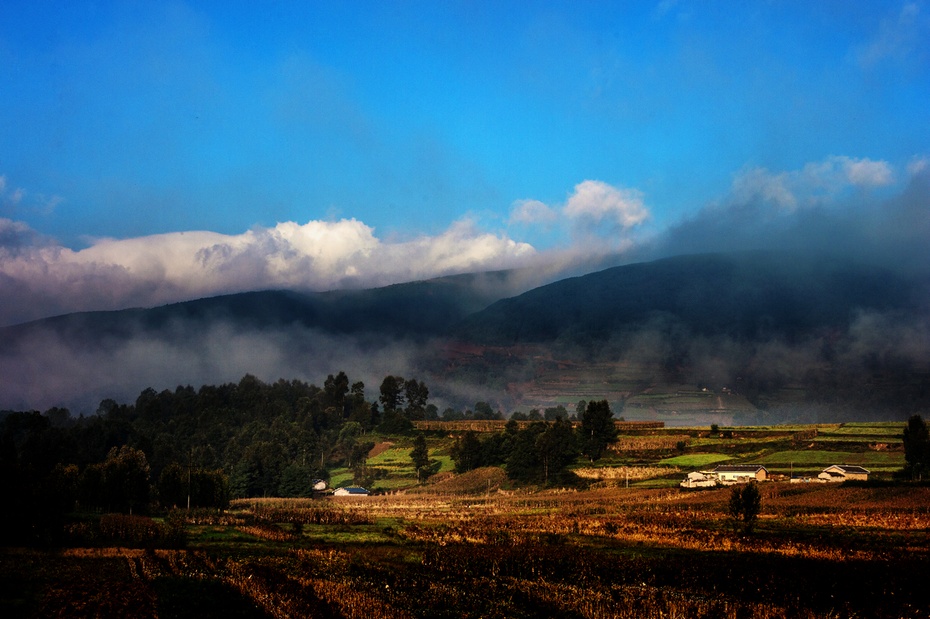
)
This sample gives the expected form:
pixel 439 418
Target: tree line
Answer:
pixel 540 452
pixel 201 447
pixel 193 447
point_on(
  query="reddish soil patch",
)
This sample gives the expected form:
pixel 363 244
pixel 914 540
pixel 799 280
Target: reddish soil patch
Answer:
pixel 380 448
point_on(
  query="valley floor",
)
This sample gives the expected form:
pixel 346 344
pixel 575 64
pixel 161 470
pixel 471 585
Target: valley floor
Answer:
pixel 816 551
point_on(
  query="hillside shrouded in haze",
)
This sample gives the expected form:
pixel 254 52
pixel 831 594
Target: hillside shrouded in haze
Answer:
pixel 795 335
pixel 751 297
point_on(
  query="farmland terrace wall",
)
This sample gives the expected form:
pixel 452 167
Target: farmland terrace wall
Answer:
pixel 497 425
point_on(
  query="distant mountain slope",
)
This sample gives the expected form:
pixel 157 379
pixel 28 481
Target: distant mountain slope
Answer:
pixel 778 331
pixel 745 296
pixel 410 310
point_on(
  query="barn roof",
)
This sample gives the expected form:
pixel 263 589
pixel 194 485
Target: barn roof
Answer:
pixel 355 490
pixel 739 468
pixel 849 469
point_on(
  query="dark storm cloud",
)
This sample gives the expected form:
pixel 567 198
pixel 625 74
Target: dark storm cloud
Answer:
pixel 805 213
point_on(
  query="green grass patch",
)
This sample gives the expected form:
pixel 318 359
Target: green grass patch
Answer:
pixel 691 460
pixel 656 482
pixel 340 477
pixel 222 537
pixel 445 463
pixel 395 456
pixel 738 439
pixel 826 458
pixel 362 534
pixel 395 483
pixel 865 439
pixel 881 431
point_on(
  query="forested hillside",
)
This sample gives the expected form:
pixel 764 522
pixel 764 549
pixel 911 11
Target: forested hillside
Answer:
pixel 239 439
pixel 202 447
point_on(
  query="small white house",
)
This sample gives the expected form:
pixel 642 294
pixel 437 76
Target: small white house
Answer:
pixel 699 479
pixel 351 491
pixel 740 473
pixel 319 485
pixel 843 472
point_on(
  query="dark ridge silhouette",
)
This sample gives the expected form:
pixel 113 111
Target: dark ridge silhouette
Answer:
pixel 414 310
pixel 747 296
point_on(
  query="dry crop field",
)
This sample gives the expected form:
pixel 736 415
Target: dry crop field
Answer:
pixel 817 551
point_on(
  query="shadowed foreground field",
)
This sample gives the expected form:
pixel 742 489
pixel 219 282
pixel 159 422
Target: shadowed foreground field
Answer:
pixel 817 551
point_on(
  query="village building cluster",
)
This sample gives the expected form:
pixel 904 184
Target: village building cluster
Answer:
pixel 729 474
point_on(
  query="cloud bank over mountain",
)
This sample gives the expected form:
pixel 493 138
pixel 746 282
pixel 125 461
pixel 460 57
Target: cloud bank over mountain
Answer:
pixel 39 277
pixel 857 207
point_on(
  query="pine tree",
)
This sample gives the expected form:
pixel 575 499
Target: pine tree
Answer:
pixel 916 448
pixel 420 457
pixel 597 429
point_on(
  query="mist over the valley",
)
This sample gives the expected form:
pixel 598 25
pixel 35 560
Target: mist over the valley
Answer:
pixel 47 369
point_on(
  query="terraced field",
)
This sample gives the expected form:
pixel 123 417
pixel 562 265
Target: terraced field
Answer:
pixel 667 453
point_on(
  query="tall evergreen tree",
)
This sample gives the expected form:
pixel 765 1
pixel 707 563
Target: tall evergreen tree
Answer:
pixel 417 395
pixel 466 452
pixel 916 448
pixel 420 457
pixel 597 429
pixel 524 463
pixel 556 448
pixel 392 393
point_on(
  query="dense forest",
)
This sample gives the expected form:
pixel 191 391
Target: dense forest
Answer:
pixel 199 448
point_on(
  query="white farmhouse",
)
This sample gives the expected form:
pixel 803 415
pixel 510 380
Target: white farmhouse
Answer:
pixel 699 479
pixel 740 473
pixel 843 472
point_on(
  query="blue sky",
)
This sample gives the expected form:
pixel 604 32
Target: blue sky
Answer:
pixel 151 152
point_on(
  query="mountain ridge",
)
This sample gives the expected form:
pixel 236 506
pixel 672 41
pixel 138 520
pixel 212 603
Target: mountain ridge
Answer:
pixel 742 294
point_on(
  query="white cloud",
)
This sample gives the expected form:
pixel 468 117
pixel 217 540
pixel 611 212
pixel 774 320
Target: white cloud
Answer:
pixel 866 173
pixel 11 199
pixel 898 37
pixel 532 212
pixel 152 270
pixel 816 183
pixel 918 165
pixel 762 184
pixel 597 216
pixel 13 234
pixel 837 172
pixel 598 202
